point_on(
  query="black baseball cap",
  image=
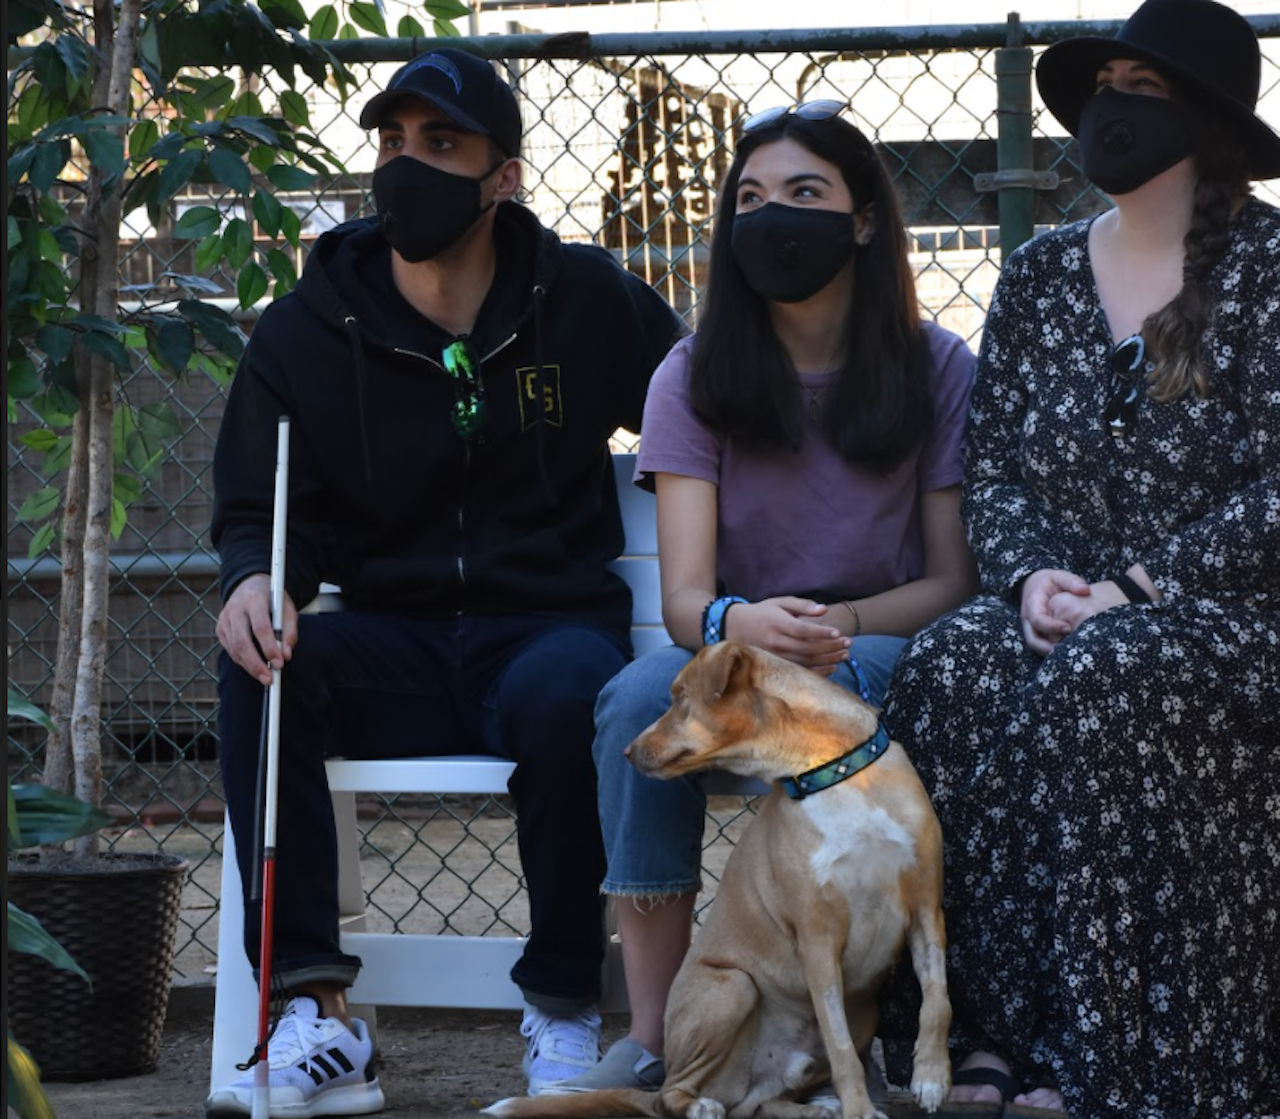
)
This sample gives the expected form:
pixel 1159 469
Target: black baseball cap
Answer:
pixel 463 87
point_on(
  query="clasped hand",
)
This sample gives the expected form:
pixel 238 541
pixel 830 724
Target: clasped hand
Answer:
pixel 788 627
pixel 1054 603
pixel 245 631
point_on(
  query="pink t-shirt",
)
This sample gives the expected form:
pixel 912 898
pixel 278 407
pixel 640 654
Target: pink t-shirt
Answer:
pixel 808 522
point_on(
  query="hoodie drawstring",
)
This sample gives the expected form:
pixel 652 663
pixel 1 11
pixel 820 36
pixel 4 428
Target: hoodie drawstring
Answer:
pixel 357 348
pixel 539 297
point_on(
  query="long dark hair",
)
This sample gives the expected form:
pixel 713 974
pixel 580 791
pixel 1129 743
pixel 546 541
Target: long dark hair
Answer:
pixel 1174 334
pixel 743 383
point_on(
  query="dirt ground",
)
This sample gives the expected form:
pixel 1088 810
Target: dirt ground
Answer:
pixel 436 1064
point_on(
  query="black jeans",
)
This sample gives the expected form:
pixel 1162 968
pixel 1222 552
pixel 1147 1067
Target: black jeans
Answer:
pixel 366 685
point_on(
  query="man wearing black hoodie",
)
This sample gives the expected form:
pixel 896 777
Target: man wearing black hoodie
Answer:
pixel 453 374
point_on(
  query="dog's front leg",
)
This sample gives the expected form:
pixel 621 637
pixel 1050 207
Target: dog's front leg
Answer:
pixel 931 1067
pixel 824 976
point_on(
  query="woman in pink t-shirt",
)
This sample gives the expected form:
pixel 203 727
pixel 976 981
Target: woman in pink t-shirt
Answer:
pixel 805 446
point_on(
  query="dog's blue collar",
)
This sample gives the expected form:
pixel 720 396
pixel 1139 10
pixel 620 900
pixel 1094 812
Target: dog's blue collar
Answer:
pixel 833 772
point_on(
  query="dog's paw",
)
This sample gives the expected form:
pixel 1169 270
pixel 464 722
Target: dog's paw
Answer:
pixel 705 1109
pixel 929 1094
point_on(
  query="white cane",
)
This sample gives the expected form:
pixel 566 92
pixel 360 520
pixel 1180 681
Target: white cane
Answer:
pixel 271 749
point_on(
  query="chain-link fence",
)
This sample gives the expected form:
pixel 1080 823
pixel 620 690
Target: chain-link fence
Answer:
pixel 627 139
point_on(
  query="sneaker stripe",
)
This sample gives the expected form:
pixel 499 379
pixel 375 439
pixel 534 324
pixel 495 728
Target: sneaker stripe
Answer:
pixel 331 1072
pixel 305 1066
pixel 342 1059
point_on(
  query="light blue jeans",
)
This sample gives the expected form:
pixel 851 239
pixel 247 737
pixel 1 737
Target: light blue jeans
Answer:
pixel 652 828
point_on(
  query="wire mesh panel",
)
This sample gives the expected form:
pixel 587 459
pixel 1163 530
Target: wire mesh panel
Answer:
pixel 625 147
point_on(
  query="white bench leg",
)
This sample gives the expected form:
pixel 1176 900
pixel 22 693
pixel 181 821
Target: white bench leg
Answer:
pixel 235 1011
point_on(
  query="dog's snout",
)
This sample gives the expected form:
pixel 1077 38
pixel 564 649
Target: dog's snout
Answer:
pixel 626 753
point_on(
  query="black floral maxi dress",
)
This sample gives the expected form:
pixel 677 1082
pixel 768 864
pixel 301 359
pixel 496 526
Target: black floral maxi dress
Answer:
pixel 1112 812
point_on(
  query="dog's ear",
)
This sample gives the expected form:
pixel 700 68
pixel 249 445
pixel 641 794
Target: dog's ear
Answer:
pixel 727 667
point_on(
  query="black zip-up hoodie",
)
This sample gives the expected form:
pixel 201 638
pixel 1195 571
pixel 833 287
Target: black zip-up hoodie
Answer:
pixel 385 499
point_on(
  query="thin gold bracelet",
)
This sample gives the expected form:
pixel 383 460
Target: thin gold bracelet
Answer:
pixel 857 620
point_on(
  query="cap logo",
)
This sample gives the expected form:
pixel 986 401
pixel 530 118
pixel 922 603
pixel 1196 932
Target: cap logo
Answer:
pixel 435 62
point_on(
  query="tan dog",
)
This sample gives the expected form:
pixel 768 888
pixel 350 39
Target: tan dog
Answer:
pixel 779 989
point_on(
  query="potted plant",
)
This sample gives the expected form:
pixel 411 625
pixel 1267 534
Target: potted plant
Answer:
pixel 108 113
pixel 36 816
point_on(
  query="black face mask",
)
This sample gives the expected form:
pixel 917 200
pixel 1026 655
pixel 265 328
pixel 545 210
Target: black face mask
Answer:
pixel 425 210
pixel 1127 139
pixel 788 254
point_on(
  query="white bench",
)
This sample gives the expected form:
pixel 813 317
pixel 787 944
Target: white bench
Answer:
pixel 402 969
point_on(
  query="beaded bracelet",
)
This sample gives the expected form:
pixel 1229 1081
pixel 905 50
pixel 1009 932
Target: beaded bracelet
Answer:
pixel 713 617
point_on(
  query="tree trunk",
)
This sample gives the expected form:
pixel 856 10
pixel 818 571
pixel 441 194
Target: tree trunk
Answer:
pixel 102 300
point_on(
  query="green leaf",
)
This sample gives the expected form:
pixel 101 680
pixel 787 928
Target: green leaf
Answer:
pixel 26 1097
pixel 324 24
pixel 255 127
pixel 285 176
pixel 40 440
pixel 294 108
pixel 50 68
pixel 228 168
pixel 39 505
pixel 178 171
pixel 174 345
pixel 142 138
pixel 58 456
pixel 445 9
pixel 74 54
pixel 367 16
pixel 22 708
pixel 27 935
pixel 56 342
pixel 266 209
pixel 409 28
pixel 47 816
pixel 215 324
pixel 208 253
pixel 285 13
pixel 108 348
pixel 24 378
pixel 252 284
pixel 158 422
pixel 49 161
pixel 199 221
pixel 348 32
pixel 41 540
pixel 444 29
pixel 119 518
pixel 126 487
pixel 106 152
pixel 14 237
pixel 283 269
pixel 237 242
pixel 262 159
pixel 291 226
pixel 49 281
pixel 24 16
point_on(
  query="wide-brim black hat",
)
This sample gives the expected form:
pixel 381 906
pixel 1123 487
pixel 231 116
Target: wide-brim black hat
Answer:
pixel 1207 50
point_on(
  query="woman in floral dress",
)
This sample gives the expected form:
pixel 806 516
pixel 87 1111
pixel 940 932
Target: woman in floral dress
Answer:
pixel 1100 729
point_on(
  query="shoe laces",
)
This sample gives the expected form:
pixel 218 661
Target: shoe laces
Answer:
pixel 295 1038
pixel 574 1036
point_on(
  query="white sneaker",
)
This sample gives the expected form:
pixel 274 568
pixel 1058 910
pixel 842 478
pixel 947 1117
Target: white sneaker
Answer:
pixel 559 1048
pixel 317 1067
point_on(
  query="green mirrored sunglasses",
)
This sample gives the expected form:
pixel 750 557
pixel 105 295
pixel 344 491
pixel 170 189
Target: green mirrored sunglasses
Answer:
pixel 470 412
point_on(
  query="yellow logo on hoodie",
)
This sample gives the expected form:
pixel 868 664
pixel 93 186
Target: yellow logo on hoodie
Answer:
pixel 527 390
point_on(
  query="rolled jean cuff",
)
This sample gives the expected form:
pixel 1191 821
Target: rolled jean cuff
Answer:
pixel 341 972
pixel 650 889
pixel 559 1005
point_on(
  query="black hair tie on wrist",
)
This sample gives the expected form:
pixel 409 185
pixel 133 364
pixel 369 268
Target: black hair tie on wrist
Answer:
pixel 1130 589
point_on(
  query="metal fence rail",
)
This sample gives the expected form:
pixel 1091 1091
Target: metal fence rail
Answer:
pixel 627 139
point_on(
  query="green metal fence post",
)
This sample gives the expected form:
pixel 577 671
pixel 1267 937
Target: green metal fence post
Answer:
pixel 1017 196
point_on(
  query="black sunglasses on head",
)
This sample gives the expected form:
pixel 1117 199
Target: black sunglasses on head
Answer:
pixel 1128 361
pixel 470 412
pixel 810 110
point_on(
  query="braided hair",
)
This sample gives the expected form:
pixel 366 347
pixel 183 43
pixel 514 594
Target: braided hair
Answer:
pixel 1174 333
